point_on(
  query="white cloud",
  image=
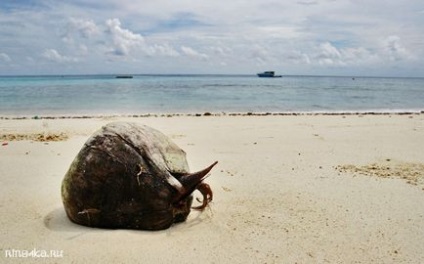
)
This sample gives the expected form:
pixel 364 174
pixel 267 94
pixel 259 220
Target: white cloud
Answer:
pixel 54 56
pixel 125 42
pixel 307 2
pixel 329 55
pixel 5 58
pixel 122 39
pixel 393 47
pixel 193 53
pixel 220 51
pixel 86 28
pixel 164 50
pixel 297 57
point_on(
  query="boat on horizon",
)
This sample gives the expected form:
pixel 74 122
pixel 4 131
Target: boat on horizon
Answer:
pixel 124 76
pixel 269 74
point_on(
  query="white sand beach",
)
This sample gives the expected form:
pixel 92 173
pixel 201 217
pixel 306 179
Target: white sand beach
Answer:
pixel 287 189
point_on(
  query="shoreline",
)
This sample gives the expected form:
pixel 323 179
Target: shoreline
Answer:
pixel 218 114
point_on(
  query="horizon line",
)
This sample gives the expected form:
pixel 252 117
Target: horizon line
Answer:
pixel 204 74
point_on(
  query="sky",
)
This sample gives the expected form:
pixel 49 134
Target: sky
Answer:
pixel 299 37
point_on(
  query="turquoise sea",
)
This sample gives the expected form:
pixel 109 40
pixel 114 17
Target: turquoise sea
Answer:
pixel 143 94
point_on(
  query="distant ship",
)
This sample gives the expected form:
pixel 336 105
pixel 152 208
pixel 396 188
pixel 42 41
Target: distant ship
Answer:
pixel 123 76
pixel 269 74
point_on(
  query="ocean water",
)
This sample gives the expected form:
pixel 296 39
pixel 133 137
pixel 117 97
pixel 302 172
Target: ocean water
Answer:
pixel 143 94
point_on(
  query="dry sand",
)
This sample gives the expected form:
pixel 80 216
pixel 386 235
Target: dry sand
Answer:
pixel 287 189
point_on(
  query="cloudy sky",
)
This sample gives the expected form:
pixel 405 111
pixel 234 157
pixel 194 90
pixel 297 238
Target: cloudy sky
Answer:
pixel 301 37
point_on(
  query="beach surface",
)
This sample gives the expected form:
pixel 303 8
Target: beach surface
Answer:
pixel 287 189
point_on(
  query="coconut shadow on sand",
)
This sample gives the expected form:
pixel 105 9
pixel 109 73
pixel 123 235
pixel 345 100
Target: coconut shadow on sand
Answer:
pixel 57 221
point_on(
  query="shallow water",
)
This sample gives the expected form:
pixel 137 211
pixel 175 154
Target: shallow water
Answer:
pixel 104 94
